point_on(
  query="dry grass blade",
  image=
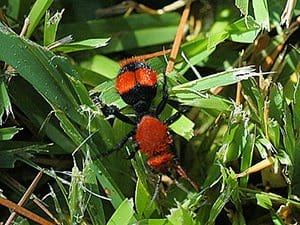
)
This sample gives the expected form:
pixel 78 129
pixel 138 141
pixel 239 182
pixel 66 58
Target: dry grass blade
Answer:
pixel 24 212
pixel 178 38
pixel 24 198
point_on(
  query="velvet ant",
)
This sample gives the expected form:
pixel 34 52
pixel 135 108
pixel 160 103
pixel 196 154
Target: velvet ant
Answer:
pixel 137 85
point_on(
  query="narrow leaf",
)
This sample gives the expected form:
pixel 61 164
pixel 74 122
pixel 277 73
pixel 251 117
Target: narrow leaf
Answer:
pixel 5 104
pixel 83 45
pixel 123 215
pixel 261 13
pixel 242 6
pixel 38 10
pixel 217 80
pixel 7 133
pixel 50 27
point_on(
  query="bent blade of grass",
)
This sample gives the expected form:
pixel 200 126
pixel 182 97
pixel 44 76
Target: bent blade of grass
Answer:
pixel 11 150
pixel 102 65
pixel 216 80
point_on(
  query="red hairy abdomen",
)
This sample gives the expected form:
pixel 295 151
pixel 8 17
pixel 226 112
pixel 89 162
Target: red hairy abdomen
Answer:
pixel 152 136
pixel 161 163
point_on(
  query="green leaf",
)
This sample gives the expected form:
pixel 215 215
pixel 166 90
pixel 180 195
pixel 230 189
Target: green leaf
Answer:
pixel 277 100
pixel 242 6
pixel 224 197
pixel 277 220
pixel 244 30
pixel 95 207
pixel 261 13
pixel 42 119
pixel 296 104
pixel 255 98
pixel 158 222
pixel 263 201
pixel 107 183
pixel 8 133
pixel 216 80
pixel 124 214
pixel 235 140
pixel 42 69
pixel 50 26
pixel 183 126
pixel 87 44
pixel 5 104
pixel 11 151
pixel 102 65
pixel 180 215
pixel 143 201
pixel 17 9
pixel 246 157
pixel 37 12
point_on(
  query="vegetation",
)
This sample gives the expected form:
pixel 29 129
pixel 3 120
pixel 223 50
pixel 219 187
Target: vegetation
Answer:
pixel 237 70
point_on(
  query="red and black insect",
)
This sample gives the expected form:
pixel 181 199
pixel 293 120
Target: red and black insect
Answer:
pixel 137 84
pixel 151 135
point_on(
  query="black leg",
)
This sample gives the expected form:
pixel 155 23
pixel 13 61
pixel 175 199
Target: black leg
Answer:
pixel 120 144
pixel 165 97
pixel 175 116
pixel 112 110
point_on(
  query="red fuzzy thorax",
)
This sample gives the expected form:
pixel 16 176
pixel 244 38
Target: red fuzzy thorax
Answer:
pixel 128 80
pixel 152 136
pixel 137 84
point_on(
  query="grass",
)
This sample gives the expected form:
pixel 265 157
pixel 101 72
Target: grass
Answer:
pixel 239 141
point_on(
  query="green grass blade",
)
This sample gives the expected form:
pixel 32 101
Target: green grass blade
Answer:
pixel 143 204
pixel 124 214
pixel 87 44
pixel 8 133
pixel 242 6
pixel 37 12
pixel 5 104
pixel 261 13
pixel 224 197
pixel 40 68
pixel 95 207
pixel 217 80
pixel 246 157
pixel 50 26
